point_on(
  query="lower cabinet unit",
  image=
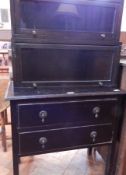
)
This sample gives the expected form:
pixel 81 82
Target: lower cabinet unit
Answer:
pixel 51 123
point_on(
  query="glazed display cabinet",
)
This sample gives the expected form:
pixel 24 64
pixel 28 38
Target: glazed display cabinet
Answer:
pixel 65 91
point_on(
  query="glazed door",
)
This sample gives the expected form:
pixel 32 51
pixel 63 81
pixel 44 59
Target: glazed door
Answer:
pixel 68 21
pixel 92 65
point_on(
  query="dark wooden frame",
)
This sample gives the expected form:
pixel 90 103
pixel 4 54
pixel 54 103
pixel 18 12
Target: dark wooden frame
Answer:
pixel 19 94
pixel 111 82
pixel 113 144
pixel 45 36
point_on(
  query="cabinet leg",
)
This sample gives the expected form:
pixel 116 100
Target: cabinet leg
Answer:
pixel 111 160
pixel 3 132
pixel 89 151
pixel 19 160
pixel 16 165
pixel 108 161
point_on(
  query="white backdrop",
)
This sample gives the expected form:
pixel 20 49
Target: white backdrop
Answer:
pixel 123 27
pixel 5 4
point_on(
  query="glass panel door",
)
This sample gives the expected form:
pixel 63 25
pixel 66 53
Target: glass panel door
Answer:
pixel 59 16
pixel 66 64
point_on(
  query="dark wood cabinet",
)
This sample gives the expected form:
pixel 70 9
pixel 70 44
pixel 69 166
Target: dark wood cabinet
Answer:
pixel 59 122
pixel 66 64
pixel 73 22
pixel 65 91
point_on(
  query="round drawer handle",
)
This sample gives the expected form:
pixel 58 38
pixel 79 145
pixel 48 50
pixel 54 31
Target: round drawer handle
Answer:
pixel 34 32
pixel 96 111
pixel 43 114
pixel 93 135
pixel 103 35
pixel 43 141
pixel 100 83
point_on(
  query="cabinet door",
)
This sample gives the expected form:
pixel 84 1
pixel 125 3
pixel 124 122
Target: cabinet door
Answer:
pixel 56 21
pixel 68 64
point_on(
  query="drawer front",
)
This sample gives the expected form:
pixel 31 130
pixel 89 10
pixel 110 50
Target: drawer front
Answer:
pixel 90 112
pixel 59 139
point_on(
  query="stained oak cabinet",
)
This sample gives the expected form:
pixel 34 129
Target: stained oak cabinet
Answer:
pixel 73 22
pixel 65 91
pixel 54 66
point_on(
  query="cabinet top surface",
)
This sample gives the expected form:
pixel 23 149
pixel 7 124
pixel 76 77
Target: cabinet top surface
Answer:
pixel 57 92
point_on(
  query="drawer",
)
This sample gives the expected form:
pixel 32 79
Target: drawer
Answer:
pixel 59 139
pixel 53 113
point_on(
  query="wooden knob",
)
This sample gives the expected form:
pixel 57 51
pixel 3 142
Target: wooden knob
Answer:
pixel 96 111
pixel 93 135
pixel 34 32
pixel 43 114
pixel 103 35
pixel 43 141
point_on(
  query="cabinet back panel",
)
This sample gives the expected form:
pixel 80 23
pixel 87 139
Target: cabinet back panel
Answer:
pixel 65 65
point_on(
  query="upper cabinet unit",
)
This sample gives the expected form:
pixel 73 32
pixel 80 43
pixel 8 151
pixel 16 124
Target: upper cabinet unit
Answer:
pixel 68 22
pixel 56 64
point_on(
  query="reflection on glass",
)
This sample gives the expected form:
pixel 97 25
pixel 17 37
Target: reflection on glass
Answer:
pixel 66 16
pixel 58 16
pixel 69 9
pixel 59 64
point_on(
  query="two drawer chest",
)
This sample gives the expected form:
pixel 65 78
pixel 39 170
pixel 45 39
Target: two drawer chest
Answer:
pixel 64 123
pixel 65 91
pixel 51 123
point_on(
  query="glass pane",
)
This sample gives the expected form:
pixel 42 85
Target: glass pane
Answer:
pixel 66 17
pixel 4 15
pixel 65 65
